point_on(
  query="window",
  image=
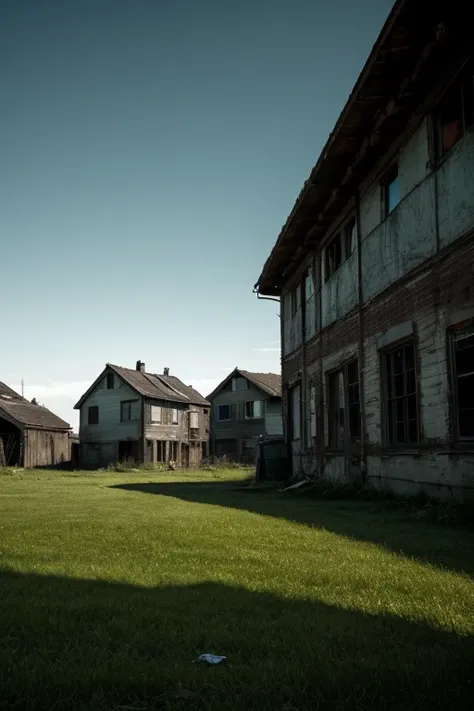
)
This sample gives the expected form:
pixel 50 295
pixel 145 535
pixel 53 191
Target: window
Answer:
pixel 353 399
pixel 311 429
pixel 310 304
pixel 463 380
pixel 110 381
pixel 340 248
pixel 155 414
pixel 350 235
pixel 401 398
pixel 294 301
pixel 223 412
pixel 391 190
pixel 128 410
pixel 336 410
pixel 455 114
pixel 295 412
pixel 344 405
pixel 93 415
pixel 174 416
pixel 194 420
pixel 253 409
pixel 239 384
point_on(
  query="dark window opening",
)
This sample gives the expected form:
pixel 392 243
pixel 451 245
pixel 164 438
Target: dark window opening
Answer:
pixel 340 248
pixel 391 190
pixel 205 450
pixel 174 451
pixel 401 401
pixel 110 381
pixel 349 238
pixel 336 410
pixel 93 415
pixel 294 301
pixel 127 410
pixel 455 114
pixel 223 412
pixel 344 405
pixel 128 451
pixel 333 254
pixel 294 401
pixel 463 365
pixel 353 399
pixel 205 411
pixel 161 451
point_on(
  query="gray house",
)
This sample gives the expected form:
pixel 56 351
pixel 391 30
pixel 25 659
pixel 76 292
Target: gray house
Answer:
pixel 132 415
pixel 245 406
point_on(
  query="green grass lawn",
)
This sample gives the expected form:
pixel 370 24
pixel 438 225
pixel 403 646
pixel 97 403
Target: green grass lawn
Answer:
pixel 111 584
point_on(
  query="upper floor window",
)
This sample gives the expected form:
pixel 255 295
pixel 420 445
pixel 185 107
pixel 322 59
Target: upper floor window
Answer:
pixel 391 190
pixel 128 410
pixel 110 381
pixel 339 248
pixel 93 415
pixel 223 412
pixel 174 416
pixel 155 414
pixel 294 300
pixel 455 113
pixel 239 384
pixel 254 409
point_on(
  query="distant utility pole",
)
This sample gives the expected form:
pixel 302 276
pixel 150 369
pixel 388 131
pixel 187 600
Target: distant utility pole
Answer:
pixel 22 388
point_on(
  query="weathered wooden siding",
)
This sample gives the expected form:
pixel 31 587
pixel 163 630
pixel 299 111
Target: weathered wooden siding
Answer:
pixel 43 448
pixel 110 428
pixel 416 280
pixel 273 417
pixel 166 430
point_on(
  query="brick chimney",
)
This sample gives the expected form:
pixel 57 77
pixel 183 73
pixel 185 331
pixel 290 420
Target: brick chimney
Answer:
pixel 166 371
pixel 140 366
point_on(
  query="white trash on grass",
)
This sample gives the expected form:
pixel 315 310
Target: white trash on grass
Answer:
pixel 210 658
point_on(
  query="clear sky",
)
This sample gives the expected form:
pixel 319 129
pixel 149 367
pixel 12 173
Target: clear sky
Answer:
pixel 151 150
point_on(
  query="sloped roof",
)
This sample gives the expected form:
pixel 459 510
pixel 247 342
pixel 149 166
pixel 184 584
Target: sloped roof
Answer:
pixel 187 390
pixel 15 407
pixel 269 383
pixel 159 387
pixel 416 45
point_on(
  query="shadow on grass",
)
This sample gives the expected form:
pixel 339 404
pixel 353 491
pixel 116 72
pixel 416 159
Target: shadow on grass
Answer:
pixel 86 644
pixel 365 521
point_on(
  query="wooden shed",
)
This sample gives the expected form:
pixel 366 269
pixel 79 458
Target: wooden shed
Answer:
pixel 30 434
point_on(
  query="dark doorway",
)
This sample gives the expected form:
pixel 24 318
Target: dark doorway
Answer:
pixel 10 448
pixel 128 451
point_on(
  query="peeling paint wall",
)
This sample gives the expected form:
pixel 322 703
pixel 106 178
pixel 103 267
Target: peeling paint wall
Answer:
pixel 417 282
pixel 292 322
pixel 340 294
pixel 456 190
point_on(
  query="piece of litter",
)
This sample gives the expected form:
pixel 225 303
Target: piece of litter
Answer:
pixel 210 658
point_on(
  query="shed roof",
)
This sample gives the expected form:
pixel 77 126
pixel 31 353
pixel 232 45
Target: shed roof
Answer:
pixel 16 408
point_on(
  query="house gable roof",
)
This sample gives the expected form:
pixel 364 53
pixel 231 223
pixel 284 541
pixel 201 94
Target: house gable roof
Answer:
pixel 16 409
pixel 269 383
pixel 158 387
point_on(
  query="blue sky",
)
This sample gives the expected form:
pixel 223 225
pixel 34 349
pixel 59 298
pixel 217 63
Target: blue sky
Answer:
pixel 151 151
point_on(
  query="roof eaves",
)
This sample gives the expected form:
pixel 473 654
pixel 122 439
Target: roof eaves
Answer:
pixel 270 290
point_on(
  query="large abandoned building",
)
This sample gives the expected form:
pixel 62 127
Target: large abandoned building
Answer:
pixel 30 434
pixel 374 270
pixel 134 415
